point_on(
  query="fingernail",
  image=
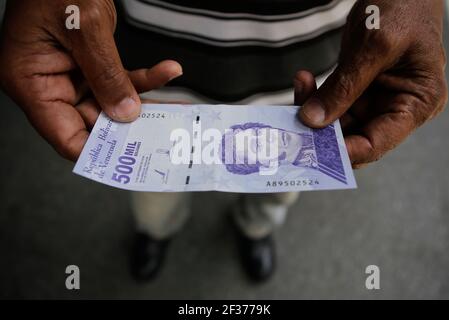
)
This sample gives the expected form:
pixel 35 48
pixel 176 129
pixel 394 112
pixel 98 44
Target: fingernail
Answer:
pixel 175 76
pixel 314 111
pixel 126 110
pixel 176 71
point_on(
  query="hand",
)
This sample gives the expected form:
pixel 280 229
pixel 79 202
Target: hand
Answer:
pixel 63 78
pixel 388 81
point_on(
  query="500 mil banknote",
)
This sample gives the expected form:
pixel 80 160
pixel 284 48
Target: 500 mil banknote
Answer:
pixel 247 149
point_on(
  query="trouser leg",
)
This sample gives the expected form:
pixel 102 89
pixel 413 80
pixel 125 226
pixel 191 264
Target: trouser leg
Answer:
pixel 257 215
pixel 160 215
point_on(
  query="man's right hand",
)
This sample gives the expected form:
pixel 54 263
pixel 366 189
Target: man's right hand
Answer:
pixel 63 78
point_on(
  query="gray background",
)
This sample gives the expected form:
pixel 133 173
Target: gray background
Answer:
pixel 398 219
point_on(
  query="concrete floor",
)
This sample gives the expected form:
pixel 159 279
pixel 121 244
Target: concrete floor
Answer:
pixel 398 219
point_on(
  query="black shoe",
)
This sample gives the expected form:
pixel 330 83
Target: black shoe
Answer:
pixel 257 256
pixel 147 257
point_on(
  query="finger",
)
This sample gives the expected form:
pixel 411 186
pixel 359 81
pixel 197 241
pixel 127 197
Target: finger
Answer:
pixel 379 136
pixel 357 115
pixel 343 87
pixel 94 50
pixel 80 84
pixel 143 80
pixel 347 122
pixel 89 110
pixel 359 166
pixel 149 79
pixel 61 125
pixel 305 85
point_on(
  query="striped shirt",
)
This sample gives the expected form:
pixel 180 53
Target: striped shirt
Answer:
pixel 234 51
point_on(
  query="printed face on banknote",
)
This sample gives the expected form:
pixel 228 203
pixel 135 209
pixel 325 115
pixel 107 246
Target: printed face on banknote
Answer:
pixel 266 145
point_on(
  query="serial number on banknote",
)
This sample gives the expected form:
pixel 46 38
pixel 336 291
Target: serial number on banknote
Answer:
pixel 292 183
pixel 153 115
pixel 160 115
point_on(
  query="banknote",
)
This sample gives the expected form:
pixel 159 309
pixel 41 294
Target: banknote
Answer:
pixel 243 149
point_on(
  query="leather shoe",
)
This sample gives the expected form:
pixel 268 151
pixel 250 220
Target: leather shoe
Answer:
pixel 257 256
pixel 147 257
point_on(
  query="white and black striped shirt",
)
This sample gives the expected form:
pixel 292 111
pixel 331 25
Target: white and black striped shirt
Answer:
pixel 239 51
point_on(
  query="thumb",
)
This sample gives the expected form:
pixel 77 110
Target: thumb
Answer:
pixel 338 93
pixel 96 54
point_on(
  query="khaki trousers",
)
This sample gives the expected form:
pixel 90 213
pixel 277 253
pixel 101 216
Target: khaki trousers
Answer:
pixel 161 215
